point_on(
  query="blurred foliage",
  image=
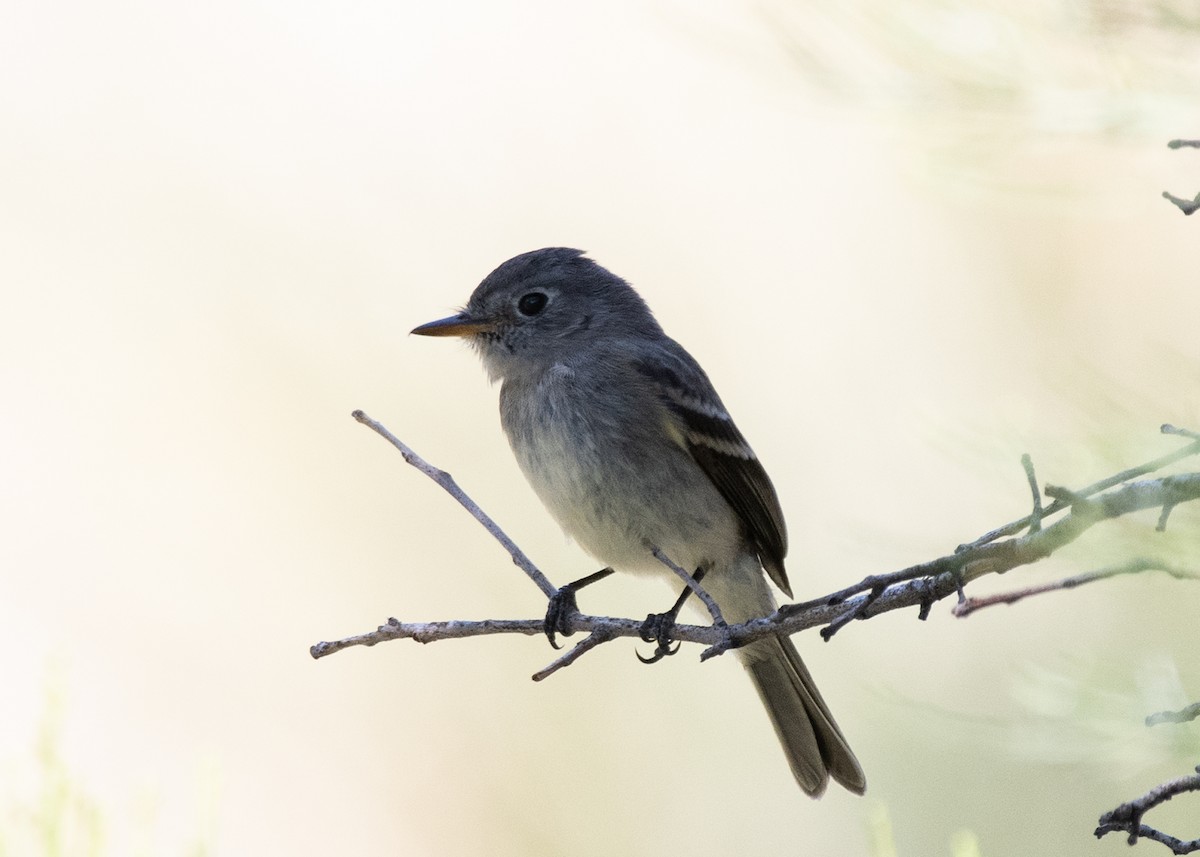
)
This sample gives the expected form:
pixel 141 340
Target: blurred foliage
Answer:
pixel 882 841
pixel 1083 66
pixel 1090 714
pixel 61 819
pixel 964 843
pixel 57 816
pixel 999 96
pixel 880 836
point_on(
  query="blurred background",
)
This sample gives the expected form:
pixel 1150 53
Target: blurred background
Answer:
pixel 909 242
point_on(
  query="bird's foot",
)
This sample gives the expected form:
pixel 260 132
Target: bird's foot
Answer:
pixel 559 613
pixel 657 629
pixel 562 608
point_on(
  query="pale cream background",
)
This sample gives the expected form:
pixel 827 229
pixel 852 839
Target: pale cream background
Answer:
pixel 908 245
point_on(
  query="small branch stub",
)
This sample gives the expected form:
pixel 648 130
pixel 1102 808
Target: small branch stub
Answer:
pixel 1187 206
pixel 1184 715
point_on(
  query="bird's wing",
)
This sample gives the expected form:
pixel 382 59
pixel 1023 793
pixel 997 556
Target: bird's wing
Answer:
pixel 713 440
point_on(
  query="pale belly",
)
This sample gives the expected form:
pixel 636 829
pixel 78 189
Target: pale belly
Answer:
pixel 620 496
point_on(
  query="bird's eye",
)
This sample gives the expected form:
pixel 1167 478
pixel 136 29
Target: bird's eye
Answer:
pixel 532 303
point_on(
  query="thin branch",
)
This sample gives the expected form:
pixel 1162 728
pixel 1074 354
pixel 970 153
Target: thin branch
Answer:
pixel 967 553
pixel 1145 831
pixel 948 574
pixel 441 477
pixel 1015 527
pixel 694 585
pixel 428 632
pixel 1187 206
pixel 1184 715
pixel 970 605
pixel 1167 428
pixel 573 654
pixel 1127 817
pixel 1035 517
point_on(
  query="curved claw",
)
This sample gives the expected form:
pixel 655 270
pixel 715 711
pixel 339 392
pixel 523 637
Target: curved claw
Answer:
pixel 559 610
pixel 664 650
pixel 657 629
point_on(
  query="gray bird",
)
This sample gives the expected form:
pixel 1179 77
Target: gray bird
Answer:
pixel 624 439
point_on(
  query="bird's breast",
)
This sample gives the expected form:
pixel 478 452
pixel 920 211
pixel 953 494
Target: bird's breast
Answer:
pixel 603 459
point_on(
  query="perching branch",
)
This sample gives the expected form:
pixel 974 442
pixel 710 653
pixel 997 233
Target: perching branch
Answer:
pixel 1021 542
pixel 920 585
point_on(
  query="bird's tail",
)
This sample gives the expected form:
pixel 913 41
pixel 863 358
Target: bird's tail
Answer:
pixel 815 747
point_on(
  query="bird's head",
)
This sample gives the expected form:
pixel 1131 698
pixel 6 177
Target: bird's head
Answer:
pixel 543 307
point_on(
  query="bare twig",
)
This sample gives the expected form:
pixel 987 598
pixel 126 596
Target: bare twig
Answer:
pixel 441 477
pixel 428 632
pixel 1187 206
pixel 1127 817
pixel 692 584
pixel 573 654
pixel 1103 485
pixel 948 573
pixel 1035 517
pixel 1167 428
pixel 966 554
pixel 1184 715
pixel 970 605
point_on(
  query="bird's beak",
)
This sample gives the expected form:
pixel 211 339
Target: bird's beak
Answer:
pixel 462 324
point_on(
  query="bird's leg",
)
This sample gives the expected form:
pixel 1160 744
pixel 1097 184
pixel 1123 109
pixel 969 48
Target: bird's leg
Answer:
pixel 562 606
pixel 658 626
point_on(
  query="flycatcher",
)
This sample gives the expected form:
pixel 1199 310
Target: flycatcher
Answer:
pixel 624 439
